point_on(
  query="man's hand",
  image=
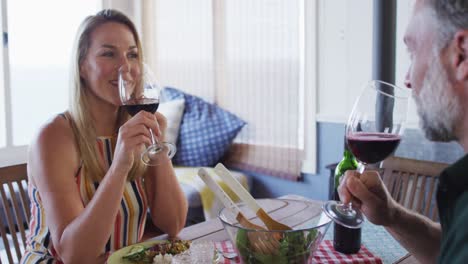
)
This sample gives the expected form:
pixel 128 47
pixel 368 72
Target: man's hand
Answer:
pixel 367 192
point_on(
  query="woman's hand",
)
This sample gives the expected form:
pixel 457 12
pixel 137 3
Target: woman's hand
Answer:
pixel 134 135
pixel 367 192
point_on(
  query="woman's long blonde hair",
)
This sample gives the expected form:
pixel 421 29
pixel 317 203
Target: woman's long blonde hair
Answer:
pixel 79 114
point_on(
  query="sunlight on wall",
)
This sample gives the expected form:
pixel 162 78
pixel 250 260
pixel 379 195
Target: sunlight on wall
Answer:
pixel 345 55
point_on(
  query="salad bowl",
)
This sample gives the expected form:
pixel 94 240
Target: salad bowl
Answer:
pixel 306 218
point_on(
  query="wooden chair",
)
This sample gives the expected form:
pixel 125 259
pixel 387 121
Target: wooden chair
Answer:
pixel 413 183
pixel 15 214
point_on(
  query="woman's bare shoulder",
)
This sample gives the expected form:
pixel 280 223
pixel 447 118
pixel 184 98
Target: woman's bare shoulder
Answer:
pixel 55 132
pixel 53 148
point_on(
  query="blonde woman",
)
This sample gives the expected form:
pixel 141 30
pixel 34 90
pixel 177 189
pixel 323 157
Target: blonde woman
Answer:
pixel 89 190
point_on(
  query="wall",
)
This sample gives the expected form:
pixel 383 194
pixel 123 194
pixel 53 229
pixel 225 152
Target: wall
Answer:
pixel 345 55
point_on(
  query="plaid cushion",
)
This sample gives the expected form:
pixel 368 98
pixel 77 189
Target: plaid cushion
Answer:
pixel 206 131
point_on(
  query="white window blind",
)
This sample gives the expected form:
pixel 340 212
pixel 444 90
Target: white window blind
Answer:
pixel 264 65
pixel 247 57
pixel 184 46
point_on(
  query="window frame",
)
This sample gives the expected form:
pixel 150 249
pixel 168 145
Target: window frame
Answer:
pixel 310 71
pixel 9 154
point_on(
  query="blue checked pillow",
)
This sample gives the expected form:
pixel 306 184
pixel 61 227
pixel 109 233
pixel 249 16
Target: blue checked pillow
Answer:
pixel 206 130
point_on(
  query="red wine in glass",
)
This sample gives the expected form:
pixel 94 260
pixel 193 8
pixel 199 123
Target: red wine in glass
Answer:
pixel 373 132
pixel 136 105
pixel 372 147
pixel 139 91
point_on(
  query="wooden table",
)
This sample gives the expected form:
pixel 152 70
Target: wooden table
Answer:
pixel 213 230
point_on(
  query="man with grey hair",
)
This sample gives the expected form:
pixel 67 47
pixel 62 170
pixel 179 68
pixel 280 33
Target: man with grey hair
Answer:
pixel 437 41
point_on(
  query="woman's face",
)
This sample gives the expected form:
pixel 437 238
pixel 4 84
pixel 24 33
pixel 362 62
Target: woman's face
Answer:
pixel 112 46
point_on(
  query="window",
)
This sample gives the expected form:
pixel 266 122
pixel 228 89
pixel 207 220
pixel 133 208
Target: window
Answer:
pixel 184 46
pixel 249 58
pixel 38 38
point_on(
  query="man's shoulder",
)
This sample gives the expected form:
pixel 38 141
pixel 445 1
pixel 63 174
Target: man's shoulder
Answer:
pixel 457 232
pixel 461 209
pixel 455 235
pixel 458 167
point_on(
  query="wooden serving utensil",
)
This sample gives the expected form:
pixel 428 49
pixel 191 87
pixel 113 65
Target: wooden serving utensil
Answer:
pixel 245 196
pixel 262 241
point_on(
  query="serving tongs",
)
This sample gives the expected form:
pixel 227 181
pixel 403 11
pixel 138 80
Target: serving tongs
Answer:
pixel 261 241
pixel 245 196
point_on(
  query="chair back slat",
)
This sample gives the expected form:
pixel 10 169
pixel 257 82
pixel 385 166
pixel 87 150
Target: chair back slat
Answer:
pixel 412 183
pixel 23 185
pixel 9 218
pixel 410 190
pixel 398 185
pixel 6 244
pixel 421 184
pixel 404 185
pixel 14 214
pixel 431 188
pixel 18 212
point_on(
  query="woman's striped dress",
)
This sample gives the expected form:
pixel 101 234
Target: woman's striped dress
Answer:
pixel 128 226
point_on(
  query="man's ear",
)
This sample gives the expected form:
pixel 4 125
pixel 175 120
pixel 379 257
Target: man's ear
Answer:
pixel 460 56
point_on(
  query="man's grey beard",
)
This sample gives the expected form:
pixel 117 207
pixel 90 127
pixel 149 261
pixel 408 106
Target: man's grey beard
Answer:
pixel 438 108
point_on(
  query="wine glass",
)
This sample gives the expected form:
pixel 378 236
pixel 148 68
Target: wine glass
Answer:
pixel 373 132
pixel 139 91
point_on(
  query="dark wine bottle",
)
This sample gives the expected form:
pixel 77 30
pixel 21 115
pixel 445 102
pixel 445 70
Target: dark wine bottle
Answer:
pixel 345 240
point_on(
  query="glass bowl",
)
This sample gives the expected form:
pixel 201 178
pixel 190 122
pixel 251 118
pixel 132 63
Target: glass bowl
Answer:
pixel 306 218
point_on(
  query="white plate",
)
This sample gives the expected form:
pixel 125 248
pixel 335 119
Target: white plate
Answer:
pixel 116 257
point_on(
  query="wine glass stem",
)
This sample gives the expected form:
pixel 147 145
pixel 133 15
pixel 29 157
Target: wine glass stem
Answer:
pixel 361 167
pixel 153 138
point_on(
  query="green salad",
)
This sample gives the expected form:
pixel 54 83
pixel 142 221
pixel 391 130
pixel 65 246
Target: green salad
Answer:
pixel 295 247
pixel 139 254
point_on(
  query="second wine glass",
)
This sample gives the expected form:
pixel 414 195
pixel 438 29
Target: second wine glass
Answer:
pixel 139 91
pixel 373 132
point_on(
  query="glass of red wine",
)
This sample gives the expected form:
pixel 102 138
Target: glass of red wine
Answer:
pixel 139 91
pixel 373 132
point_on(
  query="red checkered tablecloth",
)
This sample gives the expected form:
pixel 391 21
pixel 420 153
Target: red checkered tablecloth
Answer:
pixel 327 254
pixel 324 254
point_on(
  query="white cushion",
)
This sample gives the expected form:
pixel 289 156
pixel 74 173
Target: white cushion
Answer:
pixel 173 111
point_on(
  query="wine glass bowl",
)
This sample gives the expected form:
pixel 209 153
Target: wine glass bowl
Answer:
pixel 376 123
pixel 370 147
pixel 373 132
pixel 139 91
